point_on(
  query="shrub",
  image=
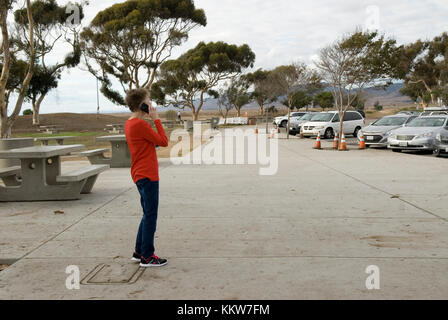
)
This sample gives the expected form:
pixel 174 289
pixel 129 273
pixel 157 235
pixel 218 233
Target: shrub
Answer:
pixel 378 106
pixel 28 112
pixel 171 115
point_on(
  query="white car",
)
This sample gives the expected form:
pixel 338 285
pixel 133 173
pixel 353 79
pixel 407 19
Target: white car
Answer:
pixel 283 121
pixel 327 124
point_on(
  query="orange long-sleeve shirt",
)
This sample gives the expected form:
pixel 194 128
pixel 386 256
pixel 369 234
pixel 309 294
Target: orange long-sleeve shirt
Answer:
pixel 142 141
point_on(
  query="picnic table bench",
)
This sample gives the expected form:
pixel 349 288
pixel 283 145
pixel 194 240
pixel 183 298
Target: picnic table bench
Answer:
pixel 10 175
pixel 121 156
pixel 45 141
pixel 41 175
pixel 53 129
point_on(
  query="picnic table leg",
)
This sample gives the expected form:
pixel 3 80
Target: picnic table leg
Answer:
pixel 89 185
pixel 121 157
pixel 60 142
pixel 44 142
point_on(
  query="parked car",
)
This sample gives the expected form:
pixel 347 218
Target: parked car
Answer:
pixel 441 143
pixel 410 113
pixel 296 123
pixel 327 124
pixel 283 121
pixel 435 111
pixel 420 134
pixel 377 133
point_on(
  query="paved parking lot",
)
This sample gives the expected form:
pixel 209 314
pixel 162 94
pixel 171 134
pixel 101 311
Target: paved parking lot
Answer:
pixel 308 232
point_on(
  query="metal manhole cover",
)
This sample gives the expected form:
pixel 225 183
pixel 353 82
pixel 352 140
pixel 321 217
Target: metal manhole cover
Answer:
pixel 113 273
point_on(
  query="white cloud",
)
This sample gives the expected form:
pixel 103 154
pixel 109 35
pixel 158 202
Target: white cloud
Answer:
pixel 279 32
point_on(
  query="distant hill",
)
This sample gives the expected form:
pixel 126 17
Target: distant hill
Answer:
pixel 391 97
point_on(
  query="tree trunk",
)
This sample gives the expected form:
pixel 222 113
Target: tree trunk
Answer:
pixel 261 109
pixel 238 113
pixel 36 110
pixel 8 122
pixel 5 72
pixel 3 127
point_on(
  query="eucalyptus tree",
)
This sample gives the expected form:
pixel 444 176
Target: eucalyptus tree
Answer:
pixel 186 82
pixel 234 95
pixel 425 69
pixel 127 42
pixel 54 25
pixel 263 90
pixel 355 61
pixel 290 79
pixel 7 50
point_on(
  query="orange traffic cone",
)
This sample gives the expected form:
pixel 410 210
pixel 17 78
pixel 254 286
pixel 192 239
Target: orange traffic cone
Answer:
pixel 278 130
pixel 301 136
pixel 362 142
pixel 343 146
pixel 256 130
pixel 336 141
pixel 318 145
pixel 272 136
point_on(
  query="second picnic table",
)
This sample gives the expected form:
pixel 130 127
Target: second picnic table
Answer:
pixel 121 157
pixel 59 140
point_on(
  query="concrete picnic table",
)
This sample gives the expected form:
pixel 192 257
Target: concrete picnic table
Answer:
pixel 115 128
pixel 41 175
pixel 51 129
pixel 121 157
pixel 59 140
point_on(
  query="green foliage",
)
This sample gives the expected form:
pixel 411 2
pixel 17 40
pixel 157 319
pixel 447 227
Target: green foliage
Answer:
pixel 45 13
pixel 234 95
pixel 377 106
pixel 199 70
pixel 129 41
pixel 424 68
pixel 324 99
pixel 49 27
pixel 171 115
pixel 301 99
pixel 264 90
pixel 28 112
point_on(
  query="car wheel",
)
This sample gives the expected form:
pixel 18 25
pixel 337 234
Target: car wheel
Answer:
pixel 437 152
pixel 284 124
pixel 355 134
pixel 397 150
pixel 329 133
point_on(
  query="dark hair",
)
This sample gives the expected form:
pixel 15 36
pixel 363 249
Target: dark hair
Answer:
pixel 135 98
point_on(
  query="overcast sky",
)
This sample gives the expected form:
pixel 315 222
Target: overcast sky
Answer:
pixel 279 32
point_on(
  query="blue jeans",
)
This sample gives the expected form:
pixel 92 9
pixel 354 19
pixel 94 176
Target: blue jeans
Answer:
pixel 149 198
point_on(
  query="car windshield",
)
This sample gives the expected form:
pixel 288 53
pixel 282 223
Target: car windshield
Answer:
pixel 308 116
pixel 390 122
pixel 427 122
pixel 322 117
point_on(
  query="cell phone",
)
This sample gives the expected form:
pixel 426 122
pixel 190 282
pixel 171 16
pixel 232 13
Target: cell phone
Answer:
pixel 145 108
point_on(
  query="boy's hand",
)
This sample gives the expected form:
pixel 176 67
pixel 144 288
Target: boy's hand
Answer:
pixel 153 114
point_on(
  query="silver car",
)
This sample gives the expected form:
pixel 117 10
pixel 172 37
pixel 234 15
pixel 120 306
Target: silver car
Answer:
pixel 420 134
pixel 296 123
pixel 377 133
pixel 441 143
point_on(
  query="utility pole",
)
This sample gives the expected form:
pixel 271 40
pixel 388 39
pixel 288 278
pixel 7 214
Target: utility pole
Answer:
pixel 97 98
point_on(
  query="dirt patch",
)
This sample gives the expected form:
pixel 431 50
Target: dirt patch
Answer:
pixel 3 267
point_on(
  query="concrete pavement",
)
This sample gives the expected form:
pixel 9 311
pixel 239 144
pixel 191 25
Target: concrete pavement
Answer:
pixel 308 232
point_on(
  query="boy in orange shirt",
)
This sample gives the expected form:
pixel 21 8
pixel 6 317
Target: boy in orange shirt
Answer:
pixel 142 141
